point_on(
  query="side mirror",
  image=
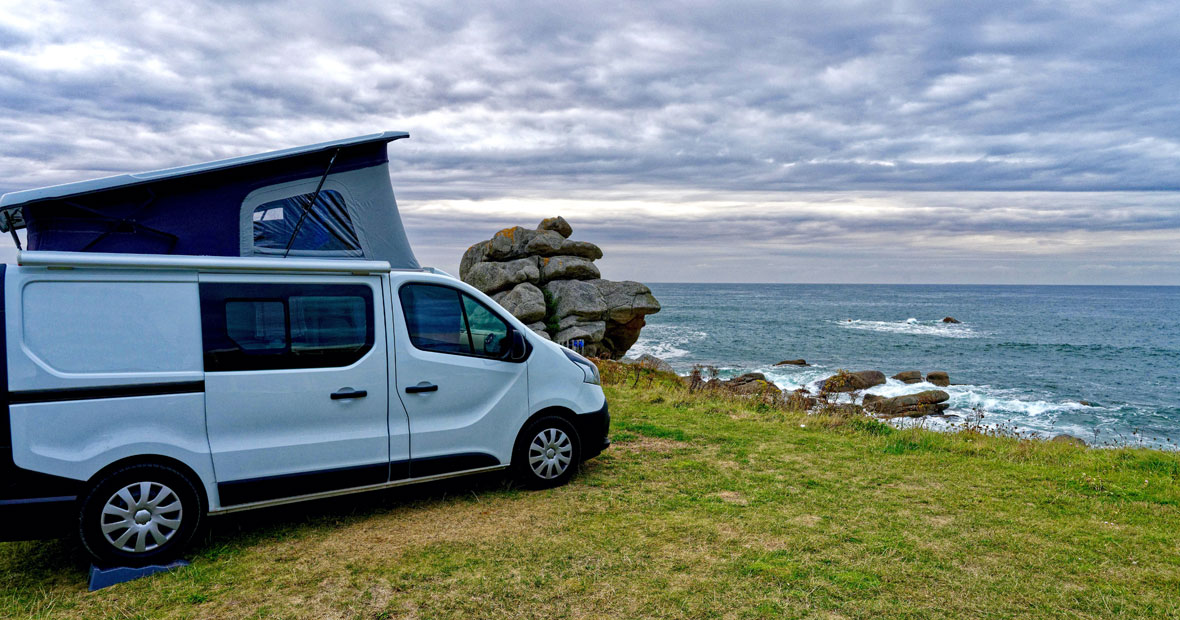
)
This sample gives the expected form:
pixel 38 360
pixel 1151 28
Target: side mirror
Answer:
pixel 520 347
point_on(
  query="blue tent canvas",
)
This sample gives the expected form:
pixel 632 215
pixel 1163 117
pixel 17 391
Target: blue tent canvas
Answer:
pixel 330 200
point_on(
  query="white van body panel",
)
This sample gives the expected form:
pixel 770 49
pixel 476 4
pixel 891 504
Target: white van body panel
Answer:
pixel 81 328
pixel 77 439
pixel 556 383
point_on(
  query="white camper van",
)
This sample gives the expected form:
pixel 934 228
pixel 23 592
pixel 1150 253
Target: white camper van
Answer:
pixel 146 391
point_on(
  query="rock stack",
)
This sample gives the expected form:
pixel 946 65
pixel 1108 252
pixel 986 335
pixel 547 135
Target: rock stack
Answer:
pixel 550 282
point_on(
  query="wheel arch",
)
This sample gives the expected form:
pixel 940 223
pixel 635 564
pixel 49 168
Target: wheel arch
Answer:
pixel 153 459
pixel 558 411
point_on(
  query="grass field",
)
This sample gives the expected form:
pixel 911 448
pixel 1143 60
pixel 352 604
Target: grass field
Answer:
pixel 705 507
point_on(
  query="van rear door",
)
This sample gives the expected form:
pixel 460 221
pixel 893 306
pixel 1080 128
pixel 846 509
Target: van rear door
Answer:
pixel 296 382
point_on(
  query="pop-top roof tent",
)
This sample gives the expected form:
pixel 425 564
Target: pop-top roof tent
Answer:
pixel 257 205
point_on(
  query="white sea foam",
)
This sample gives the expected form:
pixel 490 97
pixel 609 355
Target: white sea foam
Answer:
pixel 912 326
pixel 791 378
pixel 667 342
pixel 992 408
pixel 968 398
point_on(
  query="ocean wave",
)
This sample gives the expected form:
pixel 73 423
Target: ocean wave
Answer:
pixel 791 378
pixel 968 398
pixel 912 326
pixel 667 342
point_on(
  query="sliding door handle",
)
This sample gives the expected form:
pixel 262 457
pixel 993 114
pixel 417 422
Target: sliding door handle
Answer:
pixel 424 386
pixel 349 393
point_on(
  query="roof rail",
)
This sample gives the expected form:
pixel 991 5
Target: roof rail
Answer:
pixel 98 260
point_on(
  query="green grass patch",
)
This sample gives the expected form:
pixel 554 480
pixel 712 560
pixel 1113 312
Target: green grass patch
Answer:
pixel 706 506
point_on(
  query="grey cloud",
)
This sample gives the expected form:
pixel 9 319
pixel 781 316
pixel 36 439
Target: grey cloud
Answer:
pixel 555 99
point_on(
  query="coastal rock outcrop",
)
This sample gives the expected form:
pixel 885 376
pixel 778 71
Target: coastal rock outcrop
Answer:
pixel 938 377
pixel 798 362
pixel 930 402
pixel 950 319
pixel 909 376
pixel 752 383
pixel 551 283
pixel 647 360
pixel 1069 439
pixel 852 381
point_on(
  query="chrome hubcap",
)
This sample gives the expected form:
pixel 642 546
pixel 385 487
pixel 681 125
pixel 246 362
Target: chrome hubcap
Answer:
pixel 550 453
pixel 141 516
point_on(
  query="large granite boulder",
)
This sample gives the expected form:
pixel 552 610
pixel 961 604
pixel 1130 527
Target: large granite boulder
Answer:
pixel 938 377
pixel 930 402
pixel 556 224
pixel 575 297
pixel 852 381
pixel 525 301
pixel 493 277
pixel 517 264
pixel 752 383
pixel 567 268
pixel 909 376
pixel 647 360
pixel 545 243
pixel 583 249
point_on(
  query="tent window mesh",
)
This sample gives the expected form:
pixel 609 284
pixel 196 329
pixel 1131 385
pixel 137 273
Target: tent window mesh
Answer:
pixel 326 229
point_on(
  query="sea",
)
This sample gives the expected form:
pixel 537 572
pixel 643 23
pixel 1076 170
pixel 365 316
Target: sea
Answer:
pixel 1023 360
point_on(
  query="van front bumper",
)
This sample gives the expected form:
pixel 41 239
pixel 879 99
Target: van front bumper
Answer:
pixel 593 430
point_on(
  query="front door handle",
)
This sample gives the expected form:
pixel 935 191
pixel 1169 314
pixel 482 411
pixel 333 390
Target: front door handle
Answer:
pixel 424 386
pixel 343 393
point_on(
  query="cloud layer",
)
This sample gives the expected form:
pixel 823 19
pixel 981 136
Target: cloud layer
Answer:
pixel 841 141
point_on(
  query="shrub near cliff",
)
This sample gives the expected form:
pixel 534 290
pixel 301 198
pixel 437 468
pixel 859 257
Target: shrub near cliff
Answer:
pixel 551 283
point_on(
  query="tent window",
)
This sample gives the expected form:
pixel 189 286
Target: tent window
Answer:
pixel 326 228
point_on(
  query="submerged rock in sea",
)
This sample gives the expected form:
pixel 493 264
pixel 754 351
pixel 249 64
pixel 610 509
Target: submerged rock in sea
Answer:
pixel 951 319
pixel 798 362
pixel 852 381
pixel 930 402
pixel 938 377
pixel 909 376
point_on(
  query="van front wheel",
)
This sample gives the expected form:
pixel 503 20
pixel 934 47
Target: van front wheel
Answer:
pixel 547 453
pixel 139 515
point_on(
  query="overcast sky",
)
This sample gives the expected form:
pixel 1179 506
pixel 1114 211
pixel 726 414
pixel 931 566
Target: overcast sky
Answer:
pixel 940 142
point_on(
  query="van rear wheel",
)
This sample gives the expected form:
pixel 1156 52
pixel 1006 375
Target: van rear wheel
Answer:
pixel 547 453
pixel 139 515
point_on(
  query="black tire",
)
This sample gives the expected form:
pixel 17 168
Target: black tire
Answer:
pixel 542 449
pixel 145 530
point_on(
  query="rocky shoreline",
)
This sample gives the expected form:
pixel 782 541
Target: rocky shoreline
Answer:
pixel 827 398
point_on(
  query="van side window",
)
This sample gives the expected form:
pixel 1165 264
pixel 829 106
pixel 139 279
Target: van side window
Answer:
pixel 326 324
pixel 326 227
pixel 247 326
pixel 445 320
pixel 434 318
pixel 489 333
pixel 257 325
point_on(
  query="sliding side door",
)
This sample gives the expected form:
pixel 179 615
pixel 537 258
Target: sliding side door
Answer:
pixel 296 385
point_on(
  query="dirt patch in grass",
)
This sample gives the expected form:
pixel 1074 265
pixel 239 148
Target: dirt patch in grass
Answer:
pixel 733 497
pixel 642 443
pixel 807 520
